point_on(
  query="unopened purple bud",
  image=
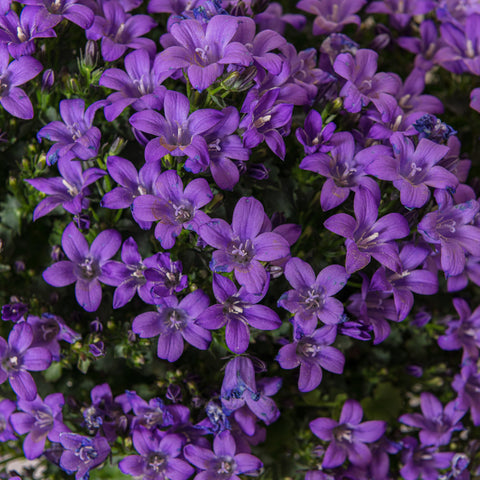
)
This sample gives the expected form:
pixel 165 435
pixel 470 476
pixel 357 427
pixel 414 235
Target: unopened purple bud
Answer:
pixel 91 54
pixel 382 39
pixel 459 463
pixel 96 326
pixel 57 253
pixel 14 311
pixel 19 266
pixel 421 319
pixel 197 402
pixel 132 337
pixel 258 171
pixel 48 79
pixel 174 393
pixel 414 370
pixel 97 349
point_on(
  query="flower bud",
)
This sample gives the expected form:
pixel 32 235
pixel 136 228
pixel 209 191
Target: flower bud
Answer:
pixel 91 54
pixel 48 79
pixel 240 81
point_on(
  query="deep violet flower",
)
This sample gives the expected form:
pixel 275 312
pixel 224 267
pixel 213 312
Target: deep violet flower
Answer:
pixel 177 133
pixel 81 454
pixel 312 353
pixel 7 407
pixel 310 300
pixel 332 15
pixel 75 137
pixel 314 136
pixel 85 265
pixel 348 436
pixel 69 190
pixel 368 237
pixel 171 6
pixel 238 311
pixel 436 423
pixel 175 322
pixel 449 227
pixel 120 31
pixel 17 356
pixel 158 456
pixel 173 207
pixel 241 247
pixel 72 10
pixel 224 463
pixel 412 170
pixel 203 52
pixel 13 99
pixel 40 419
pixel 467 386
pixel 139 85
pixel 401 11
pixel 273 18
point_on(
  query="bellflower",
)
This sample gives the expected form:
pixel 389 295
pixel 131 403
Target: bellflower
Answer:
pixel 158 456
pixel 13 99
pixel 72 10
pixel 14 311
pixel 348 436
pixel 177 133
pixel 401 11
pixel 85 265
pixel 436 423
pixel 75 137
pixel 18 33
pixel 17 356
pixel 312 353
pixel 176 7
pixel 368 237
pixel 449 227
pixel 119 31
pixel 431 127
pixel 224 463
pixel 69 190
pixel 241 246
pixel 273 18
pixel 311 300
pixel 175 322
pixel 41 419
pixel 239 388
pixel 151 415
pixel 238 311
pixel 314 136
pixel 139 85
pixel 464 332
pixel 173 207
pixel 467 386
pixel 81 454
pixel 164 276
pixel 363 84
pixel 422 461
pixel 7 407
pixel 203 52
pixel 332 15
pixel 345 171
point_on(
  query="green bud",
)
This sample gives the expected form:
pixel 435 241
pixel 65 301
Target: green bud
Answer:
pixel 117 146
pixel 240 81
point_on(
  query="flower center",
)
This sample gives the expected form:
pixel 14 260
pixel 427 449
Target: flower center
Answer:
pixel 313 299
pixel 307 349
pixel 261 121
pixel 183 213
pixel 215 146
pixel 43 420
pixel 13 363
pixel 72 190
pixel 343 433
pixel 157 462
pixel 21 34
pixel 89 268
pixel 225 467
pixel 201 55
pixel 175 320
pixel 241 252
pixel 87 453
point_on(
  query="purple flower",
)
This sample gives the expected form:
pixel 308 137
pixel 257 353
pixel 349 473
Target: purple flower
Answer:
pixel 241 247
pixel 13 99
pixel 264 120
pixel 70 9
pixel 164 276
pixel 238 311
pixel 119 31
pixel 158 456
pixel 152 414
pixel 239 389
pixel 312 352
pixel 173 207
pixel 449 227
pixel 413 170
pixel 85 267
pixel 347 436
pixel 368 237
pixel 178 133
pixel 69 190
pixel 41 419
pixel 81 453
pixel 17 356
pixel 14 311
pixel 436 424
pixel 7 407
pixel 464 332
pixel 223 463
pixel 171 6
pixel 75 137
pixel 311 300
pixel 314 136
pixel 467 386
pixel 203 51
pixel 175 322
pixel 273 18
pixel 332 15
pixel 432 128
pixel 401 11
pixel 139 85
pixel 18 34
pixel 363 84
pixel 345 170
pixel 424 462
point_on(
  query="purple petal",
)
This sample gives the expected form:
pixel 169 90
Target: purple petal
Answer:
pixel 88 294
